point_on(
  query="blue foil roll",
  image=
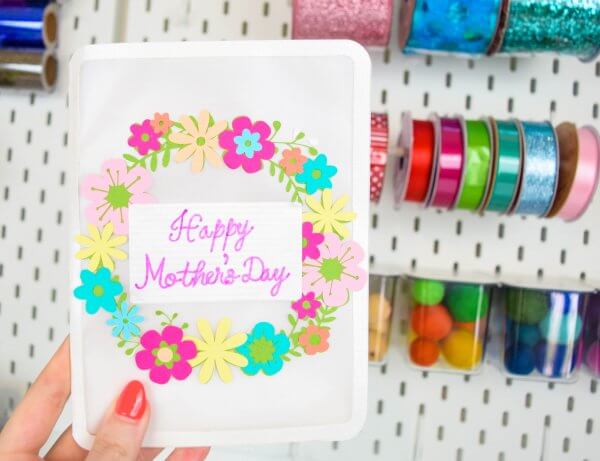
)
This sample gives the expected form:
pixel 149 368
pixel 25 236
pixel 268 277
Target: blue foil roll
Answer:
pixel 454 26
pixel 23 27
pixel 540 169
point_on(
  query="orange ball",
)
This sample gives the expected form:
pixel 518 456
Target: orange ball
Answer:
pixel 469 326
pixel 431 322
pixel 424 352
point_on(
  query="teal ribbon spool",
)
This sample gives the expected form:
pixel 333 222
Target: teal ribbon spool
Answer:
pixel 507 166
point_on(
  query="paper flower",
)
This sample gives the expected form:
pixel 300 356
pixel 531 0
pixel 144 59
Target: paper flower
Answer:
pixel 336 273
pixel 101 247
pixel 327 215
pixel 247 144
pixel 292 161
pixel 310 241
pixel 264 349
pixel 98 290
pixel 165 354
pixel 161 123
pixel 313 339
pixel 113 191
pixel 199 140
pixel 306 306
pixel 124 321
pixel 317 174
pixel 217 351
pixel 143 137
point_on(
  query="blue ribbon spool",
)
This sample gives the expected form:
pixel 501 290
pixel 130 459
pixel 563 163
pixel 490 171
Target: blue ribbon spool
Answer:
pixel 540 168
pixel 29 27
pixel 453 26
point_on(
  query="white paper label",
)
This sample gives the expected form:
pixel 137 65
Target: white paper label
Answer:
pixel 215 251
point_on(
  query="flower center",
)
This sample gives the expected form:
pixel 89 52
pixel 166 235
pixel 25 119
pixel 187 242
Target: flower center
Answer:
pixel 292 161
pixel 164 354
pixel 118 196
pixel 332 269
pixel 248 143
pixel 145 137
pixel 98 290
pixel 261 350
pixel 306 305
pixel 316 174
pixel 304 242
pixel 314 340
pixel 200 141
pixel 125 321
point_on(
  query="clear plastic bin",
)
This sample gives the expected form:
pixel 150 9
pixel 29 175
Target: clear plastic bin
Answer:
pixel 448 324
pixel 592 335
pixel 543 333
pixel 381 306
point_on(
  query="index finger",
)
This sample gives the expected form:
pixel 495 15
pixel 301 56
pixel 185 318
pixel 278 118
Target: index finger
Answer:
pixel 32 422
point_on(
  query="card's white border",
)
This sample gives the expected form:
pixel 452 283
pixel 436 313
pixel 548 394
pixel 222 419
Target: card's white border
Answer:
pixel 360 181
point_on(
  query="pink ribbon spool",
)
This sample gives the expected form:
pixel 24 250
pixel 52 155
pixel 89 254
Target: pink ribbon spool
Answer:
pixel 449 163
pixel 368 22
pixel 586 175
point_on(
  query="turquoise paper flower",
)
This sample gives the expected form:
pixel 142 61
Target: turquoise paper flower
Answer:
pixel 98 290
pixel 264 349
pixel 317 174
pixel 124 321
pixel 247 143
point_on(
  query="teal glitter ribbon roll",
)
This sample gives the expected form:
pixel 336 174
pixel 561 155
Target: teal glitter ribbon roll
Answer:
pixel 562 26
pixel 540 169
pixel 453 26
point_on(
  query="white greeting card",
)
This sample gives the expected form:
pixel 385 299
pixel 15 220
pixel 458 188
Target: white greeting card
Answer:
pixel 220 238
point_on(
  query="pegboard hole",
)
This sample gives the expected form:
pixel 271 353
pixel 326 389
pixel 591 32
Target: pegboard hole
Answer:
pixel 458 227
pixel 586 237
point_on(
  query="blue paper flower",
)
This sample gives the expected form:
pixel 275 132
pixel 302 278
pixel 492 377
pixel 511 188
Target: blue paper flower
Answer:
pixel 317 174
pixel 124 321
pixel 247 143
pixel 98 290
pixel 264 349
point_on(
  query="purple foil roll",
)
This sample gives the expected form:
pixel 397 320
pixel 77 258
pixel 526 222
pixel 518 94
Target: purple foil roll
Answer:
pixel 450 163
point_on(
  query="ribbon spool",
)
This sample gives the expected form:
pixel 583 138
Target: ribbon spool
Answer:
pixel 451 26
pixel 505 171
pixel 368 22
pixel 476 167
pixel 450 159
pixel 35 69
pixel 379 153
pixel 585 179
pixel 568 149
pixel 413 178
pixel 540 168
pixel 30 27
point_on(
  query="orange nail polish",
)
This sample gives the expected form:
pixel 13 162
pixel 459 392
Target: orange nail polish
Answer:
pixel 132 401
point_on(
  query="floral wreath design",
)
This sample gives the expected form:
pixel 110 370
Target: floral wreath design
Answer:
pixel 330 261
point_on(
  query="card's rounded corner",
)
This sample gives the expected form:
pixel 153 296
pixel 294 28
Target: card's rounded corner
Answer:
pixel 81 436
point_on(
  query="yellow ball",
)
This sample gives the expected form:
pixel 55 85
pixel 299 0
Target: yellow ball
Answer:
pixel 380 311
pixel 462 350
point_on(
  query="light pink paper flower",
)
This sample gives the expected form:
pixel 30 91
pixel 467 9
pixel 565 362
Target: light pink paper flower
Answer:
pixel 112 192
pixel 166 354
pixel 246 144
pixel 336 272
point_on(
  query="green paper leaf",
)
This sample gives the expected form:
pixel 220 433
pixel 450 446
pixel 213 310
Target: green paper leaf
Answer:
pixel 143 162
pixel 295 353
pixel 281 175
pixel 121 343
pixel 129 351
pixel 312 151
pixel 328 320
pixel 184 325
pixel 277 125
pixel 159 312
pixel 292 320
pixel 163 324
pixel 130 158
pixel 175 315
pixel 272 169
pixel 153 162
pixel 299 136
pixel 288 186
pixel 166 158
pixel 285 358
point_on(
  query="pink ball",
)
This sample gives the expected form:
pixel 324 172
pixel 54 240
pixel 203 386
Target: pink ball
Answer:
pixel 592 358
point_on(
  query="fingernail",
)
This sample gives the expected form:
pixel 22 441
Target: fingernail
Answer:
pixel 132 401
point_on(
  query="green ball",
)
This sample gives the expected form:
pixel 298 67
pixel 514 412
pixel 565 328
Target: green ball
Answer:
pixel 526 306
pixel 468 302
pixel 427 292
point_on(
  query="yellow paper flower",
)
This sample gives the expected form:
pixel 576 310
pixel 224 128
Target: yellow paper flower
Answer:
pixel 199 141
pixel 217 351
pixel 101 247
pixel 327 215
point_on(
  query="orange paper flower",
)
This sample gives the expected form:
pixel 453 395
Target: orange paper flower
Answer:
pixel 292 161
pixel 314 339
pixel 161 123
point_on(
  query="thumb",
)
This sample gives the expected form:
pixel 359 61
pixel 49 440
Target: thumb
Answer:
pixel 122 430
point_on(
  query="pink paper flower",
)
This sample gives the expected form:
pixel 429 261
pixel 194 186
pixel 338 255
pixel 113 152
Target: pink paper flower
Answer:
pixel 292 161
pixel 306 306
pixel 310 241
pixel 314 339
pixel 336 272
pixel 166 354
pixel 112 192
pixel 143 137
pixel 161 123
pixel 246 144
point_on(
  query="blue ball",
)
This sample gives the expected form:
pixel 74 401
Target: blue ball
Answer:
pixel 519 359
pixel 563 328
pixel 526 334
pixel 554 361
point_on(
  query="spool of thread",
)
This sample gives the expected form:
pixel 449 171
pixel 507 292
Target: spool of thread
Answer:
pixel 540 169
pixel 450 160
pixel 31 27
pixel 33 69
pixel 368 22
pixel 379 153
pixel 585 180
pixel 561 26
pixel 450 26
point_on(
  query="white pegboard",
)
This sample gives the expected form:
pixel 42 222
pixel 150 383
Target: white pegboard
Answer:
pixel 412 415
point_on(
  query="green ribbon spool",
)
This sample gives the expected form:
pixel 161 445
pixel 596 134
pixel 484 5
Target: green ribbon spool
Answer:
pixel 508 166
pixel 477 165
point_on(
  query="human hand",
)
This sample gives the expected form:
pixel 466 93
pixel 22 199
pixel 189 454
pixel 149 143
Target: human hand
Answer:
pixel 119 436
